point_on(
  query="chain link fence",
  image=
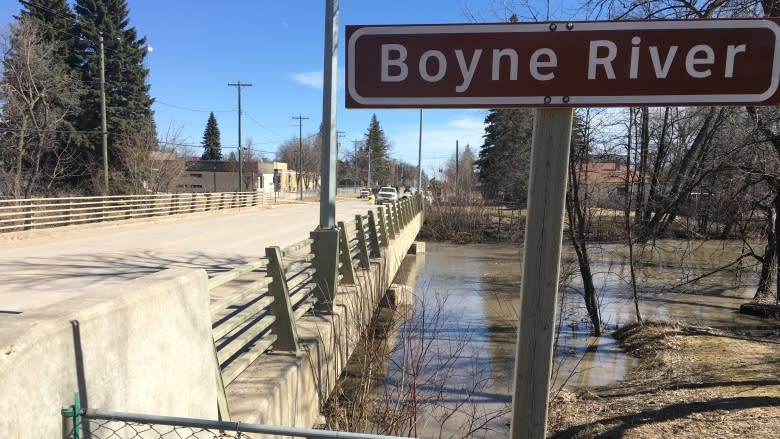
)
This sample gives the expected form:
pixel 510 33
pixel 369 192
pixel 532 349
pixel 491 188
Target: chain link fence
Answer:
pixel 81 423
pixel 107 429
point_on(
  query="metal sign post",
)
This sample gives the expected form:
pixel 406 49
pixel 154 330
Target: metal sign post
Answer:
pixel 329 137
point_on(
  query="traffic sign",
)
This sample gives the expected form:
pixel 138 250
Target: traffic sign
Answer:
pixel 574 64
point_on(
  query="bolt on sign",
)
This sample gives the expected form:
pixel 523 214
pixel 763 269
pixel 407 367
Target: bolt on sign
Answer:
pixel 575 64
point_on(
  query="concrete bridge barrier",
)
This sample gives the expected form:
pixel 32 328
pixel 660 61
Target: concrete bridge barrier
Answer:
pixel 148 349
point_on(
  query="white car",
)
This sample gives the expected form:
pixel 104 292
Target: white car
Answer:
pixel 386 194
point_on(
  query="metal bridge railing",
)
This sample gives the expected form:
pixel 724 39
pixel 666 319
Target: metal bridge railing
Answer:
pixel 35 213
pixel 255 307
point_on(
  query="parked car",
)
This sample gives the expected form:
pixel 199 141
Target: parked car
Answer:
pixel 364 192
pixel 386 194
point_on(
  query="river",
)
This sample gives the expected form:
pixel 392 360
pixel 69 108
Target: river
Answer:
pixel 469 295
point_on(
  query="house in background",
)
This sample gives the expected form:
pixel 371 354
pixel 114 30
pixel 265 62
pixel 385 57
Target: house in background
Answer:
pixel 604 183
pixel 223 175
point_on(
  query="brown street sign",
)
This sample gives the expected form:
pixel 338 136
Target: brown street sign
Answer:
pixel 576 64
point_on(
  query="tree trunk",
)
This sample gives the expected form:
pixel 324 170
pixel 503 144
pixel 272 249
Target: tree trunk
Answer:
pixel 768 261
pixel 644 146
pixel 19 165
pixel 577 222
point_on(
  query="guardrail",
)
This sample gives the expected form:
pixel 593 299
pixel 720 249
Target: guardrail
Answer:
pixel 34 213
pixel 255 306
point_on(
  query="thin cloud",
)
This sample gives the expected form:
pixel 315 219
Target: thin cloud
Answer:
pixel 315 79
pixel 309 79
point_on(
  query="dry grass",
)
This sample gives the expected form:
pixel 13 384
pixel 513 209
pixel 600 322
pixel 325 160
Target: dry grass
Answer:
pixel 692 382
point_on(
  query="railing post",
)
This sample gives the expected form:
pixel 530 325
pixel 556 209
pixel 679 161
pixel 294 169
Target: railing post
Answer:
pixel 129 205
pixel 396 226
pixel 345 257
pixel 384 227
pixel 326 264
pixel 284 325
pixel 374 236
pixel 70 211
pixel 390 221
pixel 102 209
pixel 193 198
pixel 362 244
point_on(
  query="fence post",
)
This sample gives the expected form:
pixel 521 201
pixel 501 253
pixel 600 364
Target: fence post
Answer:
pixel 373 235
pixel 345 256
pixel 193 199
pixel 284 325
pixel 326 266
pixel 362 244
pixel 74 413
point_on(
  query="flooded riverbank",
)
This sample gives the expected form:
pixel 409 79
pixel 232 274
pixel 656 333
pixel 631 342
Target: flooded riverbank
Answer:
pixel 477 287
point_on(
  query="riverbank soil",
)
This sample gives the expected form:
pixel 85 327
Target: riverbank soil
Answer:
pixel 691 382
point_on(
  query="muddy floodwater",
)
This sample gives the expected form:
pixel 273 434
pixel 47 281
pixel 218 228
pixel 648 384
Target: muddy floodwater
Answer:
pixel 474 292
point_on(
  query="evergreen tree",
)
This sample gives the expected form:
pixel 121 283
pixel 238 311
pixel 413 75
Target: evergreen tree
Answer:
pixel 504 158
pixel 376 142
pixel 128 105
pixel 212 147
pixel 55 23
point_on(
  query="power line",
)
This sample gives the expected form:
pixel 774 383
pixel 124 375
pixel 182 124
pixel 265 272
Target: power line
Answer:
pixel 261 125
pixel 179 107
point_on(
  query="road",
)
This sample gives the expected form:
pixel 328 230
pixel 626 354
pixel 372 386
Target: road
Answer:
pixel 93 261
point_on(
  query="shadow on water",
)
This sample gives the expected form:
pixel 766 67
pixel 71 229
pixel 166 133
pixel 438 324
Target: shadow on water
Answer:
pixel 481 284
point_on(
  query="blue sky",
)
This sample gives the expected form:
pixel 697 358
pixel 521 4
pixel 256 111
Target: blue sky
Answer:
pixel 198 46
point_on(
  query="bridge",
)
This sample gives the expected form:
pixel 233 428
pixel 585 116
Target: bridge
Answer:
pixel 233 309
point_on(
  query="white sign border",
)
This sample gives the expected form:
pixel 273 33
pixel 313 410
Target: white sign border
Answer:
pixel 574 100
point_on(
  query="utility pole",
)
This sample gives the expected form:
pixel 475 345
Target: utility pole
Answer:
pixel 368 148
pixel 354 145
pixel 300 120
pixel 457 166
pixel 238 85
pixel 419 158
pixel 103 125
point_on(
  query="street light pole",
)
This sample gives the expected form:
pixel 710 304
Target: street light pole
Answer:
pixel 240 164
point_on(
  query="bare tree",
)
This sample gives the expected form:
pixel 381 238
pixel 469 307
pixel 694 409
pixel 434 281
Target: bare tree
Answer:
pixel 37 93
pixel 307 153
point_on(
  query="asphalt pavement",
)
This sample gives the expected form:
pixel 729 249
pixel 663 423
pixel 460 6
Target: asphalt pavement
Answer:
pixel 58 265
